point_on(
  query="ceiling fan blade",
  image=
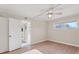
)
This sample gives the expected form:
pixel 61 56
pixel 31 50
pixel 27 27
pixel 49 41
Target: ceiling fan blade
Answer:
pixel 58 13
pixel 52 8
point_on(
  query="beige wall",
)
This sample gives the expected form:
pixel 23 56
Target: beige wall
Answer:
pixel 38 31
pixel 3 35
pixel 67 36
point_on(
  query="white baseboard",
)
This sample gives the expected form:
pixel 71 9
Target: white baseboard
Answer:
pixel 38 42
pixel 65 43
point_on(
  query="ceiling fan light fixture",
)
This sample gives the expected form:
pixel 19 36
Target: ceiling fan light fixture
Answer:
pixel 49 16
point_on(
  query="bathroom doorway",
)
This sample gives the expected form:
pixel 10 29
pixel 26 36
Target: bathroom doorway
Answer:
pixel 26 33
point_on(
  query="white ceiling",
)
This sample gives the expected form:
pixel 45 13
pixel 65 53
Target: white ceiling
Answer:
pixel 32 10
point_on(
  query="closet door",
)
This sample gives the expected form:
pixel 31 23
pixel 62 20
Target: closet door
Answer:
pixel 14 34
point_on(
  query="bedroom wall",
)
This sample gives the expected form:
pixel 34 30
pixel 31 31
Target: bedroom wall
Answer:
pixel 38 31
pixel 66 36
pixel 3 34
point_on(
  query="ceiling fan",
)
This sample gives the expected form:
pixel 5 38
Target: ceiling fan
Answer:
pixel 50 11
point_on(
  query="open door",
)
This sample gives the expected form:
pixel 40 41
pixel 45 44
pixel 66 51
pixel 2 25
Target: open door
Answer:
pixel 14 34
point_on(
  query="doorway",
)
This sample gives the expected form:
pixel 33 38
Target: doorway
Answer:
pixel 26 33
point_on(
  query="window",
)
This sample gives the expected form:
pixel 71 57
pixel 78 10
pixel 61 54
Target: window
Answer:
pixel 71 25
pixel 59 25
pixel 66 25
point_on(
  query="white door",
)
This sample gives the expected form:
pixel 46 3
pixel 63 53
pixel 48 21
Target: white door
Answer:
pixel 14 34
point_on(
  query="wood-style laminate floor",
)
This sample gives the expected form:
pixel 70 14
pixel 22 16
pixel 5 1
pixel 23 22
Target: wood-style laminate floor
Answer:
pixel 48 47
